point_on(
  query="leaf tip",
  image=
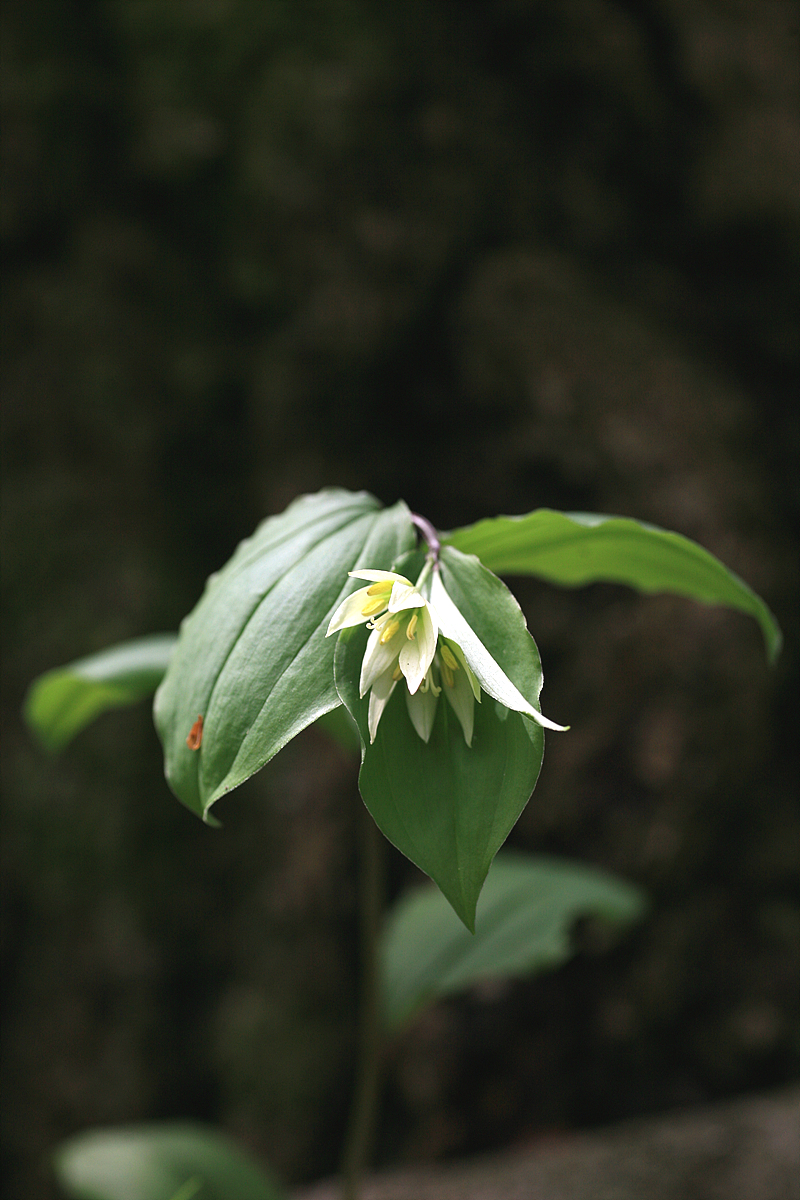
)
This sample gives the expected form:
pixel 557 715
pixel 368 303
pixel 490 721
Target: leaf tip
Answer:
pixel 774 640
pixel 208 819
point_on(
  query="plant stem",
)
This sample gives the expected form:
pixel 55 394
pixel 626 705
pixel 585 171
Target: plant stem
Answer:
pixel 361 1123
pixel 428 533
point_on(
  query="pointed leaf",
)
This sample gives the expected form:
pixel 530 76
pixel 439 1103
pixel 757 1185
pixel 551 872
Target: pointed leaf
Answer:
pixel 578 548
pixel 445 805
pixel 252 657
pixel 64 701
pixel 160 1162
pixel 524 922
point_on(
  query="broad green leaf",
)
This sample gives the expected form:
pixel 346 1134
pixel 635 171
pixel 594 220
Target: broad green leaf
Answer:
pixel 338 725
pixel 448 806
pixel 523 926
pixel 163 1161
pixel 252 658
pixel 62 702
pixel 578 548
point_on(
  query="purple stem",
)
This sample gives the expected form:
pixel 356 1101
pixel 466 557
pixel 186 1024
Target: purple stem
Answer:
pixel 428 534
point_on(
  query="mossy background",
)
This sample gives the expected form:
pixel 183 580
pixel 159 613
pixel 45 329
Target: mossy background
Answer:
pixel 488 257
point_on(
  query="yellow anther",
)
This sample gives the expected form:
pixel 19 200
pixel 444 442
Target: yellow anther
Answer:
pixel 412 625
pixel 389 632
pixel 447 675
pixel 381 588
pixel 397 674
pixel 373 606
pixel 448 657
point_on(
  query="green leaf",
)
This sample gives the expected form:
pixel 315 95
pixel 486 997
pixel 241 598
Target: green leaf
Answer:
pixel 578 548
pixel 252 657
pixel 339 726
pixel 445 805
pixel 524 923
pixel 160 1162
pixel 62 702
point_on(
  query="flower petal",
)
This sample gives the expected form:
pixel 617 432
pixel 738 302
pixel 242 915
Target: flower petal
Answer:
pixel 382 689
pixel 462 700
pixel 350 612
pixel 404 595
pixel 379 576
pixel 416 655
pixel 422 710
pixel 459 653
pixel 490 674
pixel 378 656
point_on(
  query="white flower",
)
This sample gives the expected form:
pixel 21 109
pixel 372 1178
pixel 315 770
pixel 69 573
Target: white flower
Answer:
pixel 489 674
pixel 403 645
pixel 404 629
pixel 426 641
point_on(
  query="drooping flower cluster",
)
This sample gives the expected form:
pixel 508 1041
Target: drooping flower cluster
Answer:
pixel 406 642
pixel 421 637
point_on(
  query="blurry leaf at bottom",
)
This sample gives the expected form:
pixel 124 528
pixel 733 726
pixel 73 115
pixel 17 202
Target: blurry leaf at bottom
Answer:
pixel 523 926
pixel 160 1162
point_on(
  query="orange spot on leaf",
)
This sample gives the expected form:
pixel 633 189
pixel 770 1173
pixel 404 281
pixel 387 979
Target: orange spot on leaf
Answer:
pixel 195 737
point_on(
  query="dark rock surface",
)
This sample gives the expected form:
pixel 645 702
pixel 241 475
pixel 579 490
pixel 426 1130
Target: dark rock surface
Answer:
pixel 745 1150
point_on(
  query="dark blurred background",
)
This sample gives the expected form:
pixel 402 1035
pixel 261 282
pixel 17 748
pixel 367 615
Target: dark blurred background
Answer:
pixel 488 257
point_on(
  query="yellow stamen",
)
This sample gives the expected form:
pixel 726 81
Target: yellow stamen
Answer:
pixel 447 675
pixel 448 657
pixel 389 632
pixel 412 625
pixel 373 606
pixel 397 674
pixel 381 588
